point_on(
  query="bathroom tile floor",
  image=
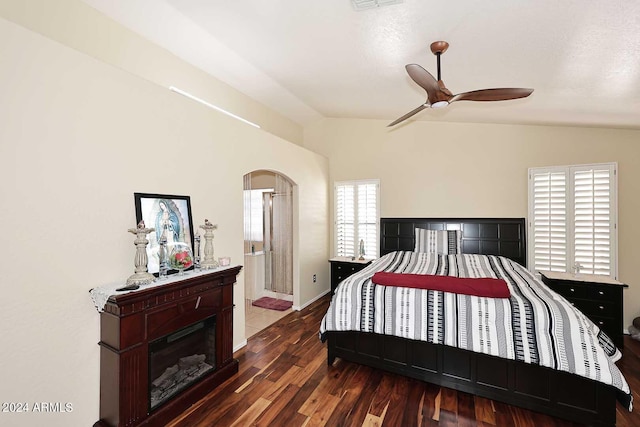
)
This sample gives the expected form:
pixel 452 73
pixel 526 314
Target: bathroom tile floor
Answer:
pixel 257 318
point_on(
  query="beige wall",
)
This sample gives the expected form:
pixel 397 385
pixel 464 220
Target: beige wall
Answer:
pixel 78 138
pixel 75 24
pixel 480 170
pixel 263 179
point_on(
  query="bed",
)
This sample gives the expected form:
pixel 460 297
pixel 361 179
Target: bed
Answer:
pixel 527 377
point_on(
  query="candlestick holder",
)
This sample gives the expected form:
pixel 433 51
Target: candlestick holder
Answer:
pixel 141 275
pixel 196 253
pixel 209 261
pixel 163 257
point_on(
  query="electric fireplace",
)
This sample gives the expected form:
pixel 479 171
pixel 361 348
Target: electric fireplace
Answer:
pixel 163 348
pixel 180 359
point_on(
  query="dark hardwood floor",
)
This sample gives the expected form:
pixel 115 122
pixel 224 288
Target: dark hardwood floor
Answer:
pixel 284 380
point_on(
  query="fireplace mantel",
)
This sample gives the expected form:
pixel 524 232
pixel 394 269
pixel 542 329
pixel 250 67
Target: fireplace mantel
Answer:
pixel 131 321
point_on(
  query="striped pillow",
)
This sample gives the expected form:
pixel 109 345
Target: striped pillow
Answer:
pixel 443 242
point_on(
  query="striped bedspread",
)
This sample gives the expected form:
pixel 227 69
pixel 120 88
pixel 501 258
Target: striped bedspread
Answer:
pixel 535 325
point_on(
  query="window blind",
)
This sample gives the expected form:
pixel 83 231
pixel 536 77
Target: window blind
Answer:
pixel 572 219
pixel 356 217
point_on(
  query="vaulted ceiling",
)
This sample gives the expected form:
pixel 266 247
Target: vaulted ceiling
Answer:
pixel 313 59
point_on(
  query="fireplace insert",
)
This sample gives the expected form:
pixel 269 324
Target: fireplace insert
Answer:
pixel 178 360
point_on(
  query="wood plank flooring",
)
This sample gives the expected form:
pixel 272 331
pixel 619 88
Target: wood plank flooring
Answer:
pixel 284 380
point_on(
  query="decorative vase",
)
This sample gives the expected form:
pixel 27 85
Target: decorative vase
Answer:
pixel 180 257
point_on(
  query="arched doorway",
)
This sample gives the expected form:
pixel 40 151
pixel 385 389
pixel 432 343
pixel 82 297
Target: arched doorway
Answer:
pixel 268 244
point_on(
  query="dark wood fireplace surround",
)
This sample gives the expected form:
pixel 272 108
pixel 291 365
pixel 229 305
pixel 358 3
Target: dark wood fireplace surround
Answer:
pixel 130 321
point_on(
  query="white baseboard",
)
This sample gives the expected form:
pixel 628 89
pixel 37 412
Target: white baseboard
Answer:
pixel 239 346
pixel 298 308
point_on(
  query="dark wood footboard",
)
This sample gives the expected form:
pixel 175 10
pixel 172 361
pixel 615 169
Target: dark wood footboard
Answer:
pixel 533 387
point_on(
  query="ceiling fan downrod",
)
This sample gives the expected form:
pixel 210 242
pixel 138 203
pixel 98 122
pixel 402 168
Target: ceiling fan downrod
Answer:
pixel 438 48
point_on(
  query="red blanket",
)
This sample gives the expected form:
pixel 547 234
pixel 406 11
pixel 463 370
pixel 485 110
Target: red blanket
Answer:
pixel 482 286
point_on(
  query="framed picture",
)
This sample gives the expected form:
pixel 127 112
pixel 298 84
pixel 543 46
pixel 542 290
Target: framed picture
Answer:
pixel 164 212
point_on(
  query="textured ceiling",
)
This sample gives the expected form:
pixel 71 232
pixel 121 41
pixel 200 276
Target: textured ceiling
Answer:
pixel 312 59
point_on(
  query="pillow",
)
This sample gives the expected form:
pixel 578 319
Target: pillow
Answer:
pixel 443 242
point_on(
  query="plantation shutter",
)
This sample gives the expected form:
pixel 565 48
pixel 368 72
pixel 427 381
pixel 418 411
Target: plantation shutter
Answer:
pixel 593 225
pixel 572 219
pixel 549 198
pixel 356 217
pixel 345 220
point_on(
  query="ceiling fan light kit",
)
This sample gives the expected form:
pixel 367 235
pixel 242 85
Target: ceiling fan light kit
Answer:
pixel 438 96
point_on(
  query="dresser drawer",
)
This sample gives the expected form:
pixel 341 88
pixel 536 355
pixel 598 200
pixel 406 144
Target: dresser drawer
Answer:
pixel 569 290
pixel 346 269
pixel 604 293
pixel 604 323
pixel 340 270
pixel 596 308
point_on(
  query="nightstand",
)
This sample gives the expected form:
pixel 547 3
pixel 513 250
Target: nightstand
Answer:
pixel 598 297
pixel 343 267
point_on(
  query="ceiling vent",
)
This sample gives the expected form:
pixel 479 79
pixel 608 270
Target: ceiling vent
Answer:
pixel 370 4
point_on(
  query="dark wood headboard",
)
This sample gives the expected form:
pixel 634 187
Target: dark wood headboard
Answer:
pixel 487 236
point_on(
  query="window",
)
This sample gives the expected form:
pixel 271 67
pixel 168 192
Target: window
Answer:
pixel 356 217
pixel 253 214
pixel 573 219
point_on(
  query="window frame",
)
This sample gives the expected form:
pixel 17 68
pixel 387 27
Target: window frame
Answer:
pixel 569 203
pixel 357 237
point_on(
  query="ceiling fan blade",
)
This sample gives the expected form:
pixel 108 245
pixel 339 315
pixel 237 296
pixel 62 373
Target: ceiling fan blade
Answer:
pixel 501 94
pixel 425 80
pixel 409 114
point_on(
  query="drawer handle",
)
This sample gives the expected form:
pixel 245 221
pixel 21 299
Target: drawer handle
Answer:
pixel 601 293
pixel 339 267
pixel 600 323
pixel 572 290
pixel 601 307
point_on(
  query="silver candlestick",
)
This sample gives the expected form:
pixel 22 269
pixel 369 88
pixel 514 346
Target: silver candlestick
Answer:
pixel 209 261
pixel 196 253
pixel 163 256
pixel 141 275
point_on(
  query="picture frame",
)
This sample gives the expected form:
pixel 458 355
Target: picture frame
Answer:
pixel 158 210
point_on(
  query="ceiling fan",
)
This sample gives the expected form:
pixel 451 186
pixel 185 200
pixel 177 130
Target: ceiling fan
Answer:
pixel 439 96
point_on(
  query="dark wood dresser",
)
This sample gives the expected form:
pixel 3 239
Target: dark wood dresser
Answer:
pixel 598 297
pixel 343 267
pixel 133 323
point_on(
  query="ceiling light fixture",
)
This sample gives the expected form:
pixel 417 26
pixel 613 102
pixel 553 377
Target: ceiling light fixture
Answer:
pixel 370 4
pixel 439 104
pixel 208 104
